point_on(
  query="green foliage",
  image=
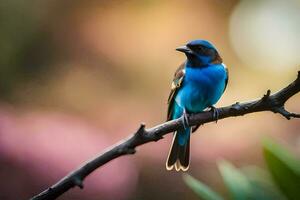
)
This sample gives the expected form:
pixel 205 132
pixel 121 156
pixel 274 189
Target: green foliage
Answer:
pixel 25 46
pixel 253 183
pixel 261 183
pixel 284 168
pixel 245 186
pixel 236 182
pixel 201 189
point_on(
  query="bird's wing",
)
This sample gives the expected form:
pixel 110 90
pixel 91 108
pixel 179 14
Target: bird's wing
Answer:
pixel 177 81
pixel 226 80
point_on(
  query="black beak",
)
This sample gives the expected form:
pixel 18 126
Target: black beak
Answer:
pixel 185 49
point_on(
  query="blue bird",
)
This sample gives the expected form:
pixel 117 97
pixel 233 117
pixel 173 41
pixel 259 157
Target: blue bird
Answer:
pixel 198 84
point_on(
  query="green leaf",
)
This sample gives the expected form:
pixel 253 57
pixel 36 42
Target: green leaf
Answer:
pixel 255 186
pixel 202 190
pixel 284 168
pixel 236 182
pixel 262 184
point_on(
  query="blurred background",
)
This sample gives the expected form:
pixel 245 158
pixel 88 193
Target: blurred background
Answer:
pixel 78 76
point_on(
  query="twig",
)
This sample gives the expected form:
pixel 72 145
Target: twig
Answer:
pixel 274 103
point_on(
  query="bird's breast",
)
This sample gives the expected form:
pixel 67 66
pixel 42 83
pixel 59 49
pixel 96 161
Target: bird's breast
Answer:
pixel 202 87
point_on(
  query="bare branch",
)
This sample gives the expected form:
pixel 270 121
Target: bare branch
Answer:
pixel 285 113
pixel 274 103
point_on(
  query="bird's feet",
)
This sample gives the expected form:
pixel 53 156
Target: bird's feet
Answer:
pixel 215 113
pixel 185 120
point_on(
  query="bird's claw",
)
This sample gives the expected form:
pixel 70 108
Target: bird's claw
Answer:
pixel 185 120
pixel 215 113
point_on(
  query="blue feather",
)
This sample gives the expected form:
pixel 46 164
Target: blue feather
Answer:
pixel 202 87
pixel 203 84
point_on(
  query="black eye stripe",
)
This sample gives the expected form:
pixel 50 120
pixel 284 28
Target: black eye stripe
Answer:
pixel 202 49
pixel 197 47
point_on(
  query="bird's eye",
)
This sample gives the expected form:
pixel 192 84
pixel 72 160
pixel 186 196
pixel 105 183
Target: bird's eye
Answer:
pixel 201 49
pixel 210 51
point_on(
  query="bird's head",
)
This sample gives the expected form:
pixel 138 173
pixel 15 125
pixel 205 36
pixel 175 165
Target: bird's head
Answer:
pixel 200 53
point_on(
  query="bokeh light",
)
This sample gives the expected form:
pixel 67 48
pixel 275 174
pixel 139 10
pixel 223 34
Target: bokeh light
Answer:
pixel 265 34
pixel 78 76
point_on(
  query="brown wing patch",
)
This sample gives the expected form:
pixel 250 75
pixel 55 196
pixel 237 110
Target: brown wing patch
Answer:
pixel 217 59
pixel 177 81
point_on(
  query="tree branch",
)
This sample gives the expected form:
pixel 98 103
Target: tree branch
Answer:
pixel 274 103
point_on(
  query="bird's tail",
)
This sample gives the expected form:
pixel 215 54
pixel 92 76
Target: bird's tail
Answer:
pixel 179 155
